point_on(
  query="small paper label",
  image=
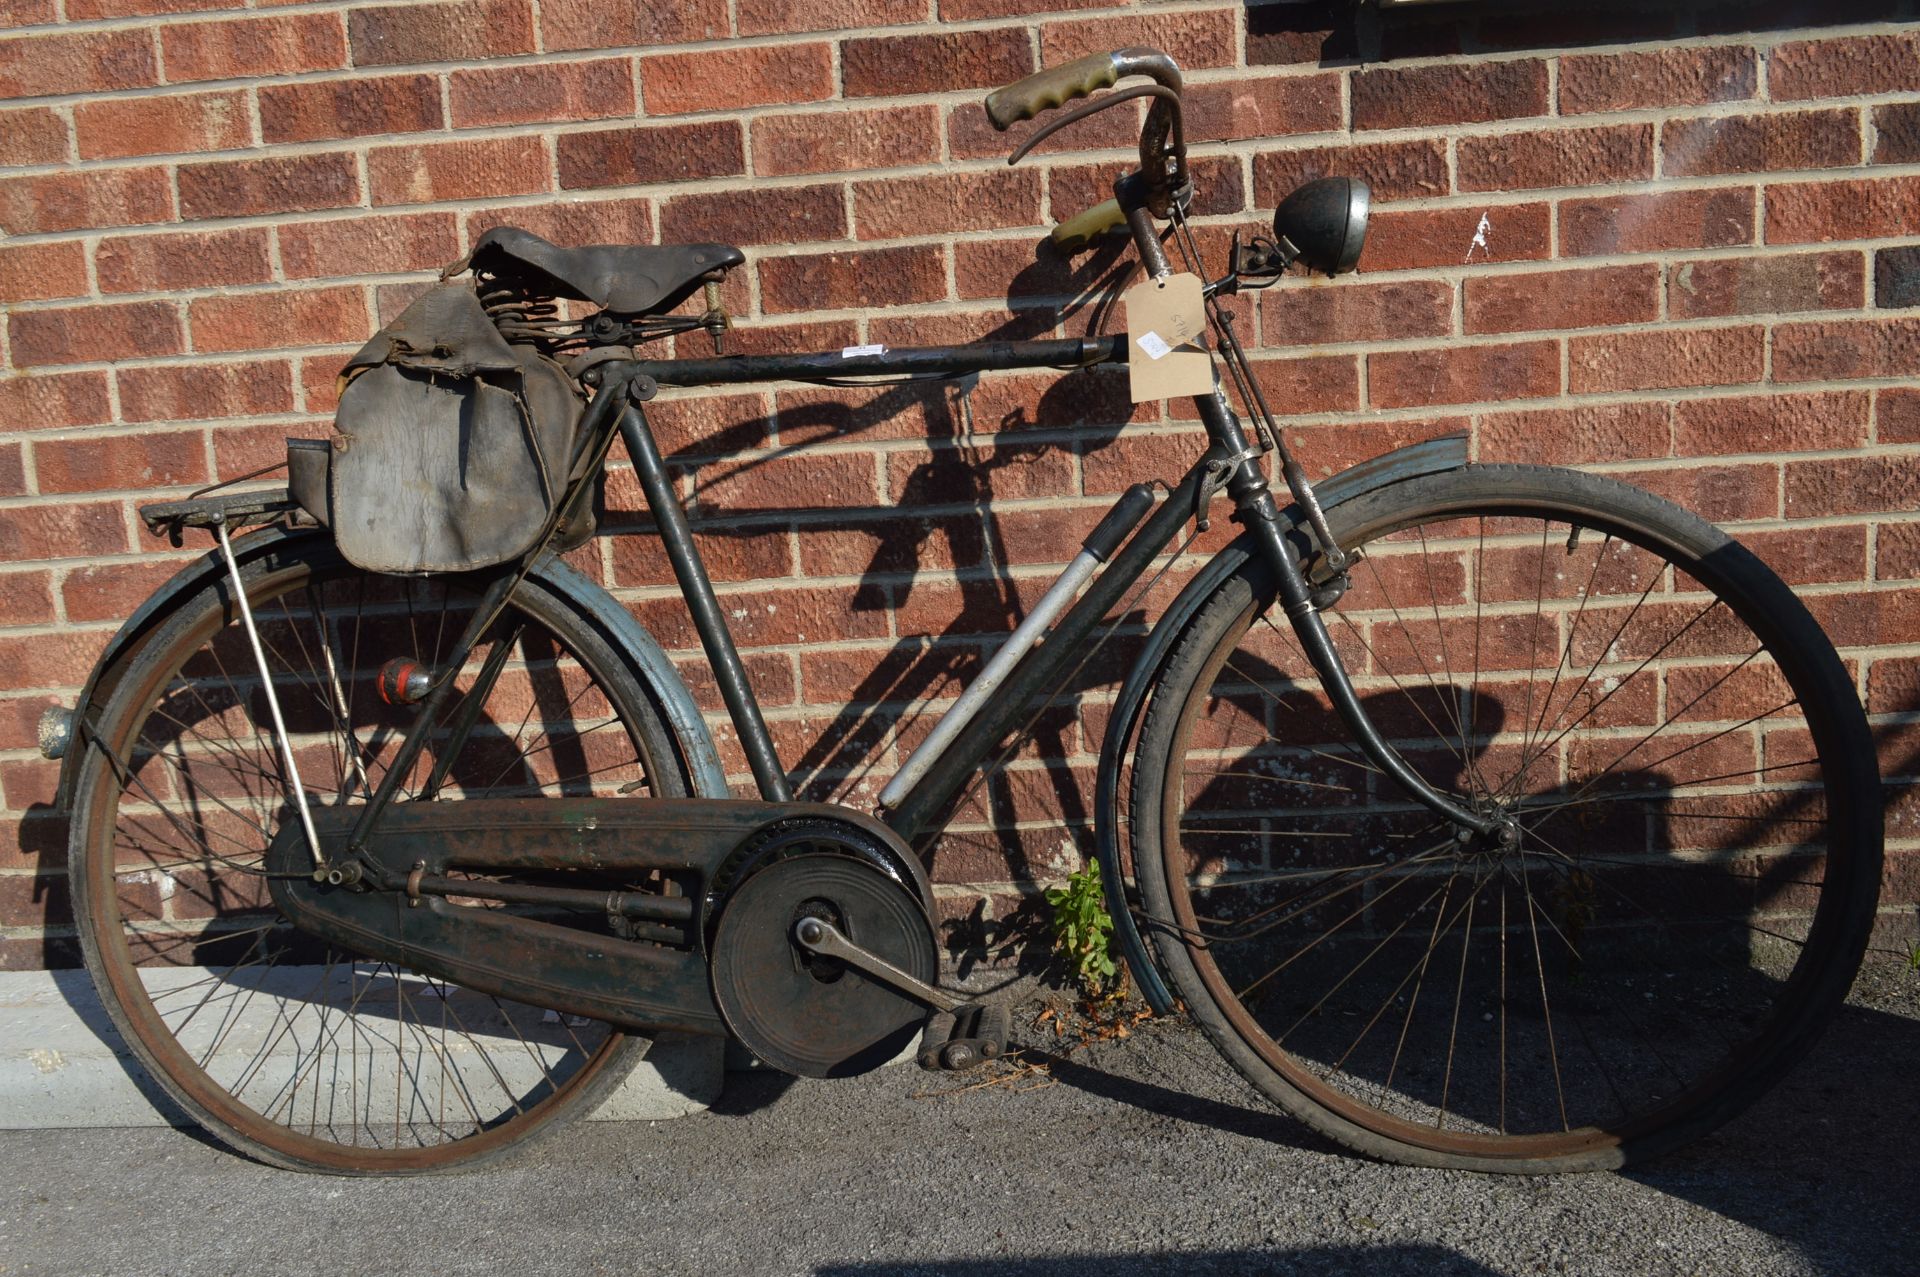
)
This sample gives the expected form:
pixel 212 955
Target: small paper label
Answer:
pixel 854 352
pixel 1167 320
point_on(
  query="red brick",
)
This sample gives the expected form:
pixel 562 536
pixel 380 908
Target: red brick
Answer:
pixel 43 272
pixel 1417 238
pixel 68 529
pixel 1770 423
pixel 1816 212
pixel 1759 143
pixel 1862 348
pixel 780 17
pixel 84 201
pixel 1723 493
pixel 94 334
pixel 183 123
pixel 27 13
pixel 899 64
pixel 189 259
pixel 468 31
pixel 278 318
pixel 1563 299
pixel 368 245
pixel 13 482
pixel 26 599
pixel 1664 77
pixel 663 153
pixel 1845 67
pixel 1195 37
pixel 1556 157
pixel 1395 170
pixel 1766 285
pixel 136 462
pixel 1811 555
pixel 34 900
pixel 32 135
pixel 1264 106
pixel 1851 485
pixel 111 591
pixel 83 10
pixel 735 77
pixel 1896 131
pixel 285 184
pixel 754 487
pixel 833 281
pixel 1684 357
pixel 594 24
pixel 533 93
pixel 990 200
pixel 34 66
pixel 1719 218
pixel 1296 313
pixel 845 139
pixel 1576 436
pixel 196 392
pixel 816 614
pixel 1463 374
pixel 53 401
pixel 604 221
pixel 481 168
pixel 784 215
pixel 1897 415
pixel 322 109
pixel 1409 97
pixel 1315 383
pixel 284 44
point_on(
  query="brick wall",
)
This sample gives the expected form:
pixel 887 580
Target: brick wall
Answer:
pixel 1697 271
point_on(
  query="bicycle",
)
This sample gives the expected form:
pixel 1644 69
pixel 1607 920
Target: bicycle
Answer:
pixel 1485 816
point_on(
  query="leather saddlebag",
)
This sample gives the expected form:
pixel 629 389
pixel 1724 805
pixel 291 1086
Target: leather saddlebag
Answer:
pixel 451 445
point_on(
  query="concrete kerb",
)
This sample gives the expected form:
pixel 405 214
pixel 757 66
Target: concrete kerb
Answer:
pixel 62 1064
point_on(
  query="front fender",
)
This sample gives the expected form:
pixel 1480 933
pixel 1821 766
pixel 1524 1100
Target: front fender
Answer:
pixel 705 775
pixel 1448 452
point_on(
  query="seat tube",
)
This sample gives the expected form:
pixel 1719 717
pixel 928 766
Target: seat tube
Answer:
pixel 697 589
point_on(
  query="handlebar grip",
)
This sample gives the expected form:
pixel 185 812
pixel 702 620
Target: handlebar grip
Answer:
pixel 1055 86
pixel 1077 232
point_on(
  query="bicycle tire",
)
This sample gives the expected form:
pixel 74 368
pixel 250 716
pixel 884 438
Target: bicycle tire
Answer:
pixel 1766 896
pixel 181 789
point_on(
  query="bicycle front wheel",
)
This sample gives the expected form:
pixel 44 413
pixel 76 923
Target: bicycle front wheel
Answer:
pixel 300 1054
pixel 1676 740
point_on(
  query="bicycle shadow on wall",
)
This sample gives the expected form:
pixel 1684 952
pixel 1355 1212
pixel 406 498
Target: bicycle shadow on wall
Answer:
pixel 970 468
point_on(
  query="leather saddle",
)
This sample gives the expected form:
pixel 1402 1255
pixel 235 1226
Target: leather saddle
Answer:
pixel 626 279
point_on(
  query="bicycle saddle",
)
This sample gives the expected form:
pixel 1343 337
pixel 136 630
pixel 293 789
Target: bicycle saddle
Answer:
pixel 628 279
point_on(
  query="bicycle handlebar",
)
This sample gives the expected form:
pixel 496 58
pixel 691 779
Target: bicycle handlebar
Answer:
pixel 1056 86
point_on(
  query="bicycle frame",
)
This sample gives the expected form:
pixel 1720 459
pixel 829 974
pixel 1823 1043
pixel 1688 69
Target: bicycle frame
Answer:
pixel 1229 464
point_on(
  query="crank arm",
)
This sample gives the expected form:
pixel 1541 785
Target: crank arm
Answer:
pixel 821 937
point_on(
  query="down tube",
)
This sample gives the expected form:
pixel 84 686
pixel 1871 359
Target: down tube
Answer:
pixel 914 818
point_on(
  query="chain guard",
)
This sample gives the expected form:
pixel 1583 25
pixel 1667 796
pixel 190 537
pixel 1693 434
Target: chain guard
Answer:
pixel 805 1014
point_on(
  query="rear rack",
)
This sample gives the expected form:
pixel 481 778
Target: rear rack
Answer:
pixel 238 510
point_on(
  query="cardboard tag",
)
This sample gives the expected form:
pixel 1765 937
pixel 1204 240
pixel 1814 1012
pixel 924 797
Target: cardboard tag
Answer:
pixel 1166 325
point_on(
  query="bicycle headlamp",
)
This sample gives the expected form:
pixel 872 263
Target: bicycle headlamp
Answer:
pixel 1324 223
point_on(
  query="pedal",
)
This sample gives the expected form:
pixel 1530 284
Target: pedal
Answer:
pixel 964 1038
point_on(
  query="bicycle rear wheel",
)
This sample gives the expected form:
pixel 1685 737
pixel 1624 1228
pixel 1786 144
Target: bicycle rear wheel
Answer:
pixel 298 1053
pixel 1675 737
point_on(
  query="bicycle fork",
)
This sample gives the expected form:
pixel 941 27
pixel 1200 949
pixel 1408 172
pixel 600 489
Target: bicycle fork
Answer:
pixel 1257 510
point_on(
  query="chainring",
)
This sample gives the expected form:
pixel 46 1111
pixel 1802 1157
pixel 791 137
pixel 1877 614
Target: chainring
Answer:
pixel 802 1013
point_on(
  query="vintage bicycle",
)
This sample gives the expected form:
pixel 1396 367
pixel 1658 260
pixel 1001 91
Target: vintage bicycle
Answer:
pixel 1487 816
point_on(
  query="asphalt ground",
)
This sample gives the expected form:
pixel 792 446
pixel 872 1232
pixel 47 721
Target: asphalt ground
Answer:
pixel 1127 1158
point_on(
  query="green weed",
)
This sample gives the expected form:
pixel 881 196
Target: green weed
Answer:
pixel 1083 931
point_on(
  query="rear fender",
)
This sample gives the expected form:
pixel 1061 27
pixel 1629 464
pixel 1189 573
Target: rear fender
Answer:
pixel 1448 452
pixel 650 665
